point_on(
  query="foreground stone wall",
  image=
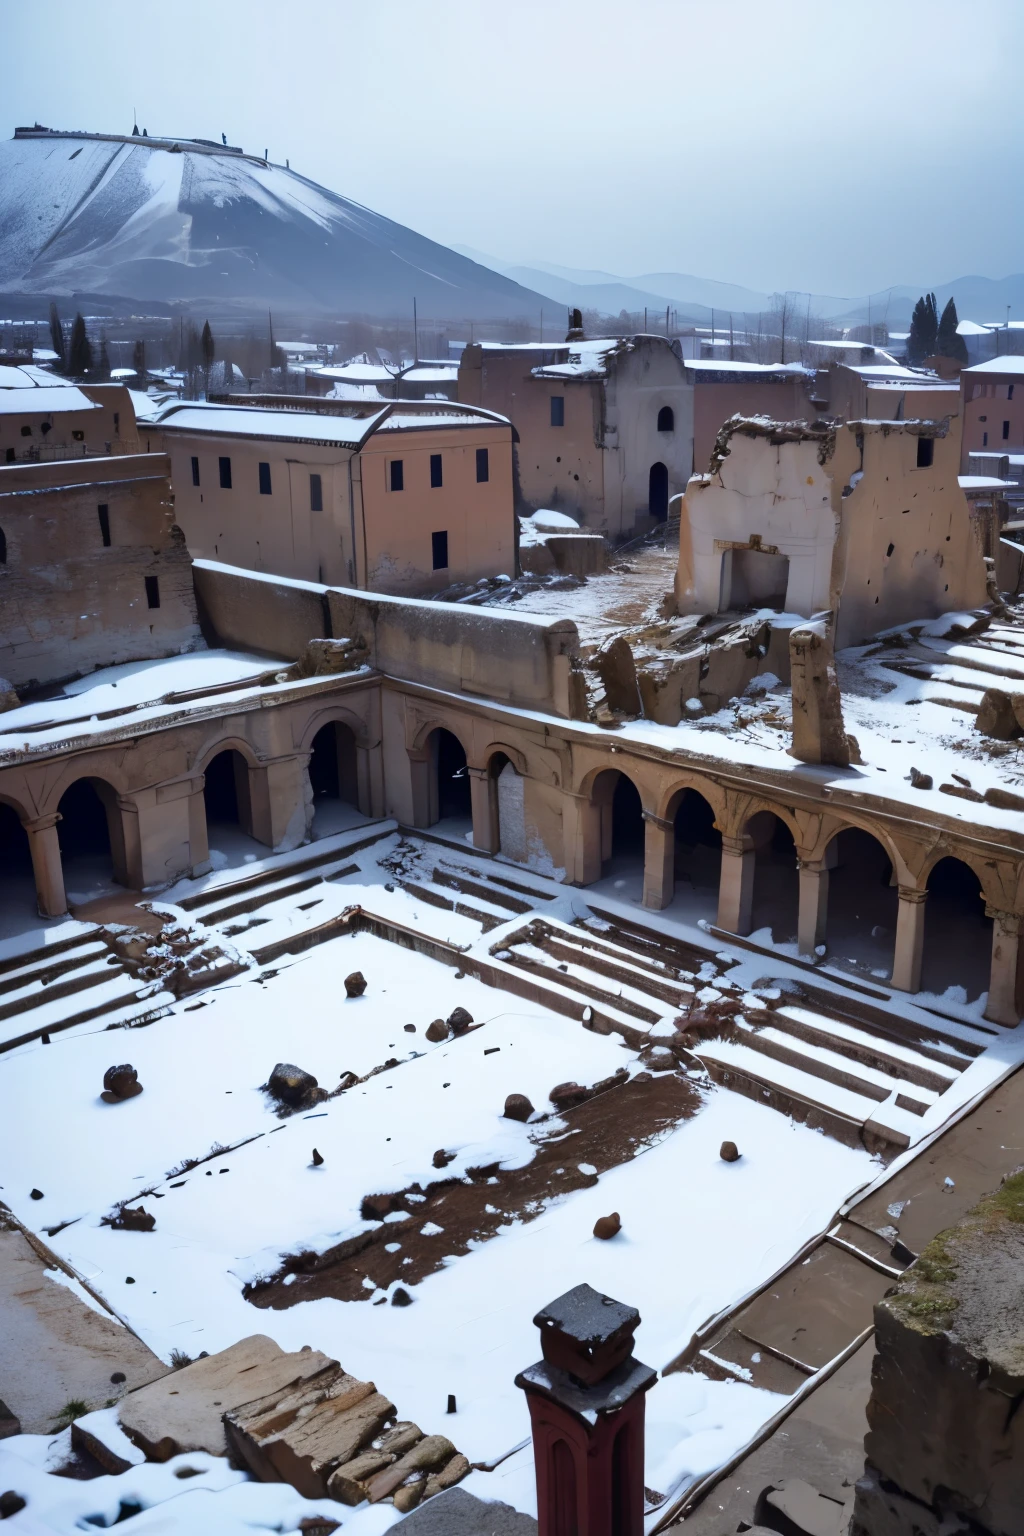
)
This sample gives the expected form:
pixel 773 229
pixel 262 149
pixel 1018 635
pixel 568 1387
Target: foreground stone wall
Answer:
pixel 945 1445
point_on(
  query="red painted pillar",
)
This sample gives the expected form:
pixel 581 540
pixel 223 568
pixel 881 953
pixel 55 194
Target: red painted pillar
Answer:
pixel 586 1401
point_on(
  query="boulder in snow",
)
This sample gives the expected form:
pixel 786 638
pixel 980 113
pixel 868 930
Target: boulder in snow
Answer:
pixel 355 984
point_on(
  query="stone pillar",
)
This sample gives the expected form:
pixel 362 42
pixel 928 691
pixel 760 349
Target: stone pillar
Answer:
pixel 813 917
pixel 586 1400
pixel 423 780
pixel 484 806
pixel 906 961
pixel 581 839
pixel 46 865
pixel 198 836
pixel 736 884
pixel 370 780
pixel 1002 987
pixel 659 861
pixel 281 802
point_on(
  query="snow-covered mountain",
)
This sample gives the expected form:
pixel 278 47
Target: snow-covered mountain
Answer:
pixel 167 220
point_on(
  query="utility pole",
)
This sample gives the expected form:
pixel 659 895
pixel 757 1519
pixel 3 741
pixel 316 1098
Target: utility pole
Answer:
pixel 666 322
pixel 645 319
pixel 732 352
pixel 415 334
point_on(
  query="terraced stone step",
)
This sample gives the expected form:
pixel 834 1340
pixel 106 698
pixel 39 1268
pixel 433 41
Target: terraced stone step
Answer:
pixel 286 867
pixel 277 892
pixel 456 881
pixel 34 992
pixel 826 1064
pixel 436 898
pixel 40 967
pixel 105 997
pixel 898 1061
pixel 44 953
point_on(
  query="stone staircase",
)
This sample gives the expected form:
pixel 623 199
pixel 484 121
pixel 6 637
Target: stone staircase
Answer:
pixel 76 979
pixel 479 888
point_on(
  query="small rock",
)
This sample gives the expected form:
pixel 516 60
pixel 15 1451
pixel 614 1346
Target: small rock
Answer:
pixel 355 985
pixel 118 1377
pixel 451 1403
pixel 996 717
pixel 11 1503
pixel 129 1279
pixel 441 1158
pixel 35 1194
pixel 659 1058
pixel 317 1159
pixel 376 1207
pixel 410 1029
pixel 137 1220
pixel 729 1152
pixel 318 1525
pixel 607 1226
pixel 517 1107
pixel 919 780
pixel 291 1085
pixel 400 1297
pixel 437 1031
pixel 567 1095
pixel 459 1021
pixel 409 1495
pixel 120 1083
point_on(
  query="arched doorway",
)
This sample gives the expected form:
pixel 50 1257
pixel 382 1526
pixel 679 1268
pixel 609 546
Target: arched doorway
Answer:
pixel 957 950
pixel 508 800
pixel 229 811
pixel 333 779
pixel 17 881
pixel 622 834
pixel 863 905
pixel 91 841
pixel 698 855
pixel 776 895
pixel 450 798
pixel 657 492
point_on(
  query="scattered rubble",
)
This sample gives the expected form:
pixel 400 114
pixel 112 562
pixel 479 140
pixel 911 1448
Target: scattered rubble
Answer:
pixel 129 1220
pixel 437 1031
pixel 294 1088
pixel 120 1083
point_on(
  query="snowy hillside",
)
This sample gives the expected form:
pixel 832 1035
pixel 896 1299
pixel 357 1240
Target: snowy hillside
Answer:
pixel 163 220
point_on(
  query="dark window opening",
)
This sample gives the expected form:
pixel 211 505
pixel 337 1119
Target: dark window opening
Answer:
pixel 3 547
pixel 1006 430
pixel 153 591
pixel 439 550
pixel 657 492
pixel 9 456
pixel 775 896
pixel 226 791
pixel 26 431
pixel 332 764
pixel 316 494
pixel 15 856
pixel 453 793
pixel 925 452
pixel 558 410
pixel 1009 392
pixel 117 421
pixel 44 427
pixel 666 419
pixel 397 475
pixel 79 437
pixel 103 511
pixel 195 470
pixel 225 474
pixel 435 471
pixel 890 550
pixel 265 480
pixel 483 468
pixel 984 439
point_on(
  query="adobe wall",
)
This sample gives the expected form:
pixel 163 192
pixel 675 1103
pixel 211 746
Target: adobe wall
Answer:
pixel 34 423
pixel 714 401
pixel 640 382
pixel 505 656
pixel 70 603
pixel 991 402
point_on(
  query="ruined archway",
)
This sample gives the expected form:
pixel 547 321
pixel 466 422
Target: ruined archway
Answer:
pixel 698 854
pixel 957 950
pixel 333 779
pixel 508 799
pixel 450 799
pixel 17 880
pixel 622 833
pixel 229 810
pixel 657 492
pixel 91 840
pixel 863 904
pixel 775 902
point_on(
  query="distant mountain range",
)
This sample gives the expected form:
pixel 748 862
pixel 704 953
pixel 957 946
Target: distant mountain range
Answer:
pixel 693 298
pixel 172 221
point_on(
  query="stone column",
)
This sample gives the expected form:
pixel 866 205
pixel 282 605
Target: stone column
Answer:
pixel 484 805
pixel 736 884
pixel 370 780
pixel 1002 986
pixel 281 801
pixel 813 916
pixel 198 835
pixel 46 866
pixel 659 861
pixel 423 780
pixel 906 961
pixel 581 839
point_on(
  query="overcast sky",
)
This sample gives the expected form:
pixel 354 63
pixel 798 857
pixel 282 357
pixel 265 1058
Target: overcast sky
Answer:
pixel 821 146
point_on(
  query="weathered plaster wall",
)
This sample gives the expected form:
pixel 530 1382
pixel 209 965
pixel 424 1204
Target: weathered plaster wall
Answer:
pixel 68 603
pixel 639 384
pixel 37 423
pixel 715 399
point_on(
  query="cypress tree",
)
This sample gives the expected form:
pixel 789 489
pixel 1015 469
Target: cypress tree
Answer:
pixel 103 366
pixel 948 343
pixel 80 351
pixel 924 330
pixel 208 347
pixel 57 339
pixel 139 358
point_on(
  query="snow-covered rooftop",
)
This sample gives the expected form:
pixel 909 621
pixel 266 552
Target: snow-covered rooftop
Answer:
pixel 1008 363
pixel 587 359
pixel 266 422
pixel 62 397
pixel 724 365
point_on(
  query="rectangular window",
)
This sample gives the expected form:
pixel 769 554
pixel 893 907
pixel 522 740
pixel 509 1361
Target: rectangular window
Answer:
pixel 558 410
pixel 264 479
pixel 925 452
pixel 435 471
pixel 984 439
pixel 195 470
pixel 104 516
pixel 439 547
pixel 397 475
pixel 483 469
pixel 153 591
pixel 1006 430
pixel 225 474
pixel 1009 392
pixel 316 494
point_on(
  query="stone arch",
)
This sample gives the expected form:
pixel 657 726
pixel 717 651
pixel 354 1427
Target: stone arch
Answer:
pixel 696 850
pixel 440 777
pixel 957 946
pixel 318 718
pixel 515 756
pixel 775 894
pixel 211 749
pixel 863 900
pixel 91 837
pixel 17 876
pixel 227 795
pixel 426 731
pixel 506 802
pixel 981 870
pixel 620 806
pixel 333 770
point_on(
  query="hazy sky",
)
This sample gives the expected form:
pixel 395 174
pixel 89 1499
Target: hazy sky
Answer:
pixel 833 147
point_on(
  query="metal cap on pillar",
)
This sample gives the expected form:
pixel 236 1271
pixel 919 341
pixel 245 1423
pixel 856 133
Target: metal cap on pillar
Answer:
pixel 586 1401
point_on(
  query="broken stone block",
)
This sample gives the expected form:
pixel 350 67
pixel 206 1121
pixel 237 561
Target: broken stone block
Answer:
pixel 400 1297
pixel 792 1505
pixel 302 1434
pixel 818 732
pixel 459 1021
pixel 128 1220
pixel 292 1086
pixel 617 671
pixel 882 1509
pixel 606 1227
pixel 184 1410
pixel 518 1107
pixel 355 985
pixel 325 658
pixel 948 1369
pixel 432 1452
pixel 666 683
pixel 120 1083
pixel 729 669
pixel 101 1436
pixel 996 716
pixel 453 1472
pixel 568 1095
pixel 441 1158
pixel 919 780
